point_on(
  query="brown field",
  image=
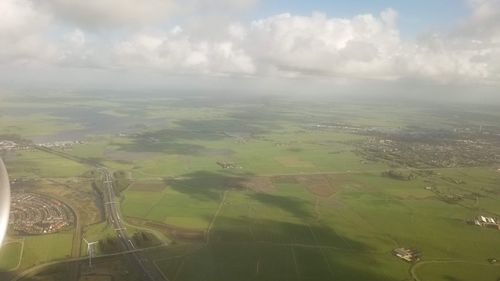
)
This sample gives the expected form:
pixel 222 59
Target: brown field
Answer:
pixel 284 179
pixel 259 184
pixel 320 185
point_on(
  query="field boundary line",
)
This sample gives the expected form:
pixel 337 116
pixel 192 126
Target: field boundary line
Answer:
pixel 161 271
pixel 179 270
pixel 20 256
pixel 21 253
pixel 295 263
pixel 176 272
pixel 321 249
pixel 221 205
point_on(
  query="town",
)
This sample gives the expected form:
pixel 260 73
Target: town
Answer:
pixel 33 214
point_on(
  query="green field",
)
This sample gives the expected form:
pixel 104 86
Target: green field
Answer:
pixel 464 270
pixel 41 249
pixel 10 255
pixel 296 201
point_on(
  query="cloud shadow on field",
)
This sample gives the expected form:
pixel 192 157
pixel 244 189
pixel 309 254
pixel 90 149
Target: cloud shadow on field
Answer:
pixel 265 249
pixel 294 206
pixel 205 185
pixel 249 249
pixel 172 141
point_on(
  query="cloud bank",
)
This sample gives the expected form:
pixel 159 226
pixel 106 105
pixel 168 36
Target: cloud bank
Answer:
pixel 154 36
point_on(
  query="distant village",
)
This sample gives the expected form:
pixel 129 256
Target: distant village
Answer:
pixel 419 148
pixel 9 145
pixel 59 144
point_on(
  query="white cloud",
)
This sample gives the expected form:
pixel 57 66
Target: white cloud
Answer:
pixel 362 47
pixel 103 14
pixel 109 13
pixel 22 30
pixel 75 51
pixel 470 52
pixel 178 53
pixel 485 19
pixel 237 5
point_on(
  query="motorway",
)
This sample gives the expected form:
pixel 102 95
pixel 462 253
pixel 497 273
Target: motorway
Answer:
pixel 148 269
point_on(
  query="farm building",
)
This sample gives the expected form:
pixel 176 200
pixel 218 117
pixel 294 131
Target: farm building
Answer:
pixel 487 221
pixel 405 254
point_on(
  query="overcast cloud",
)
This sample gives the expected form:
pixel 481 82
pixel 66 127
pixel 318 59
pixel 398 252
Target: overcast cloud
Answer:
pixel 181 38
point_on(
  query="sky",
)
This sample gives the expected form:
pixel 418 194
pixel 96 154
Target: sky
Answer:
pixel 414 16
pixel 278 45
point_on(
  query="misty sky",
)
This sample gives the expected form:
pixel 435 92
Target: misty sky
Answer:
pixel 176 44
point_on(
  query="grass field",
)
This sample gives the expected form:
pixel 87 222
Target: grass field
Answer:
pixel 44 248
pixel 297 202
pixel 10 255
pixel 41 164
pixel 346 235
pixel 464 270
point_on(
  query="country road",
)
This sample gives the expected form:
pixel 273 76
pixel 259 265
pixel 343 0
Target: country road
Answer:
pixel 416 265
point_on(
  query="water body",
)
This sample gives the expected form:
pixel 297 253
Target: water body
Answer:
pixel 88 121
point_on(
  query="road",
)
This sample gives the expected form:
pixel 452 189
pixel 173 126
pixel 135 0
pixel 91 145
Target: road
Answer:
pixel 149 271
pixel 32 271
pixel 416 265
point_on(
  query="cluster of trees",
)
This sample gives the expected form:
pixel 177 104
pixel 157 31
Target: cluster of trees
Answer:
pixel 144 239
pixel 121 180
pixel 399 175
pixel 110 245
pixel 140 239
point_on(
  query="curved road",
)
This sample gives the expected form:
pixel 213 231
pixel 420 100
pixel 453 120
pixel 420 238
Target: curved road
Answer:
pixel 414 266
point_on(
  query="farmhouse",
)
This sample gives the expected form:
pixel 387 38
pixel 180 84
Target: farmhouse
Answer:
pixel 405 254
pixel 487 222
pixel 226 165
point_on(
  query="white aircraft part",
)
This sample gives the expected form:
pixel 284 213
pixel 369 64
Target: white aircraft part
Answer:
pixel 4 201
